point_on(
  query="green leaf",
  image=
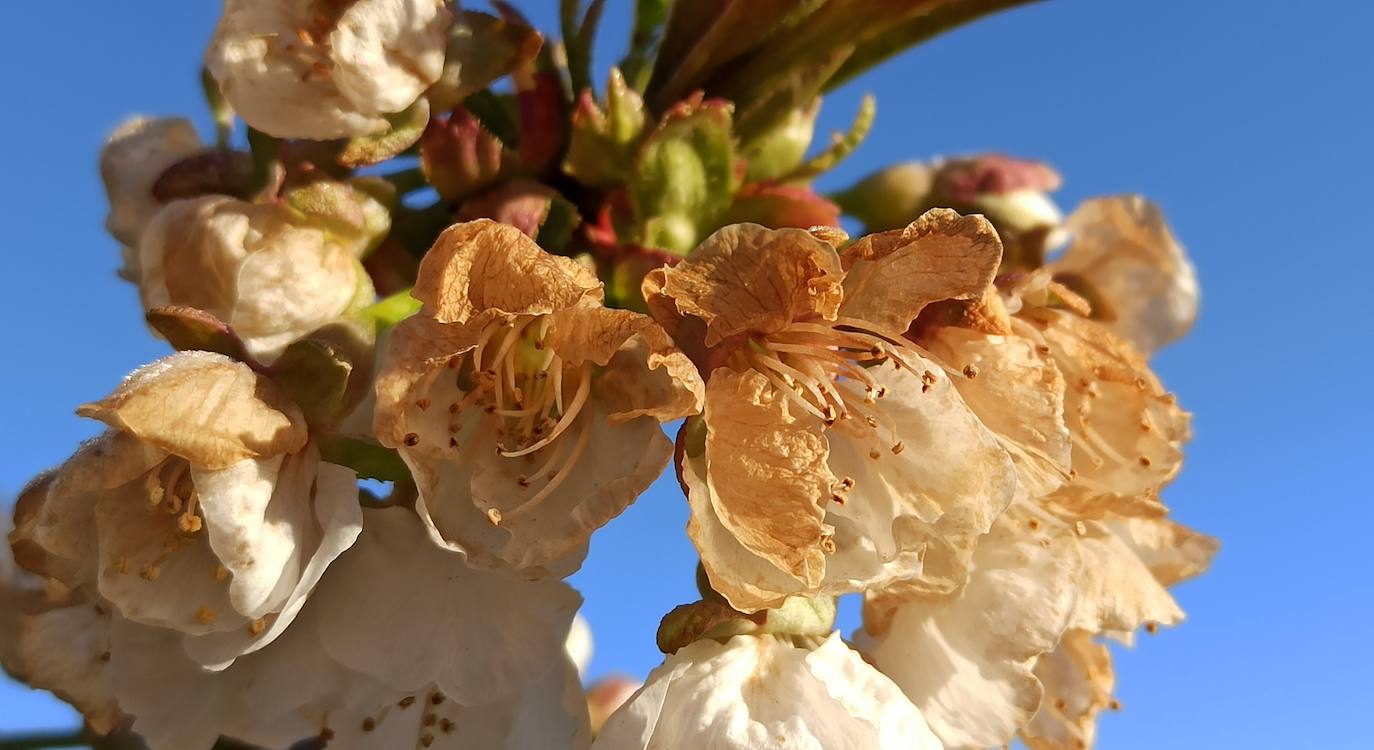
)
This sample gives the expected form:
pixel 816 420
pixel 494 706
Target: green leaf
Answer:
pixel 369 459
pixel 405 129
pixel 579 35
pixel 650 16
pixel 941 18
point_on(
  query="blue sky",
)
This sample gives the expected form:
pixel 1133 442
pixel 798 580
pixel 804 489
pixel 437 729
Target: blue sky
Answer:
pixel 1248 121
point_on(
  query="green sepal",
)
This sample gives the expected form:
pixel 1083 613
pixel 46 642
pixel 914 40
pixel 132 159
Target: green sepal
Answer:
pixel 602 142
pixel 357 212
pixel 781 149
pixel 405 128
pixel 688 623
pixel 190 329
pixel 481 49
pixel 369 459
pixel 388 312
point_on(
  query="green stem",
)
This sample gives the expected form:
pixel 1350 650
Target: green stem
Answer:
pixel 41 740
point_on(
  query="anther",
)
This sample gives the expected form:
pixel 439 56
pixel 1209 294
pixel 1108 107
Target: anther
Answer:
pixel 369 724
pixel 970 371
pixel 898 448
pixel 423 404
pixel 875 455
pixel 523 481
pixel 189 523
pixel 256 627
pixel 1145 461
pixel 446 726
pixel 411 439
pixel 426 740
pixel 1151 627
pixel 149 572
pixel 205 615
pixel 327 734
pixel 494 516
pixel 406 702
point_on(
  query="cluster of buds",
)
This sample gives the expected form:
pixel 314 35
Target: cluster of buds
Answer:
pixel 942 416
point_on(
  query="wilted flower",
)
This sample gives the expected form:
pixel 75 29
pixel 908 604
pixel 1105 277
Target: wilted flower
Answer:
pixel 1137 276
pixel 204 509
pixel 528 412
pixel 967 660
pixel 137 153
pixel 322 70
pixel 761 691
pixel 262 268
pixel 831 455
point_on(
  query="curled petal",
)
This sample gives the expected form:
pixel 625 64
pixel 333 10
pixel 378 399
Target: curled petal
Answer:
pixel 137 153
pixel 482 265
pixel 892 276
pixel 67 650
pixel 1172 551
pixel 1145 288
pixel 746 278
pixel 1118 592
pixel 203 407
pixel 645 374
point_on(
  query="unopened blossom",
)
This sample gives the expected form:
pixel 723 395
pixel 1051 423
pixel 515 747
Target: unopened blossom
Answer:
pixel 320 69
pixel 134 157
pixel 758 692
pixel 831 455
pixel 262 268
pixel 528 413
pixel 204 509
pixel 967 661
pixel 607 695
pixel 403 645
pixel 1143 287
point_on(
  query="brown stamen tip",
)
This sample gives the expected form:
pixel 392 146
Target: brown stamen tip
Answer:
pixel 411 439
pixel 256 627
pixel 221 573
pixel 205 615
pixel 494 516
pixel 898 448
pixel 436 698
pixel 1115 705
pixel 1145 461
pixel 453 443
pixel 837 498
pixel 1042 350
pixel 1151 627
pixel 875 455
pixel 929 378
pixel 446 726
pixel 406 702
pixel 1061 704
pixel 426 740
pixel 523 481
pixel 423 404
pixel 490 408
pixel 369 724
pixel 149 572
pixel 189 523
pixel 970 372
pixel 847 483
pixel 1034 523
pixel 453 408
pixel 327 734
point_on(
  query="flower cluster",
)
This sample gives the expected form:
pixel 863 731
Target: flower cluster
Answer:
pixel 402 403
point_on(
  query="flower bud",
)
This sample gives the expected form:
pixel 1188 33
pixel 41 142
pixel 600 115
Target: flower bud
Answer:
pixel 459 156
pixel 782 148
pixel 136 155
pixel 602 142
pixel 270 274
pixel 1011 192
pixel 606 695
pixel 890 198
pixel 327 70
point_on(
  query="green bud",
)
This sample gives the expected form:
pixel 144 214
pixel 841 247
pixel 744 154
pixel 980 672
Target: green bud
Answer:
pixel 688 623
pixel 685 177
pixel 781 149
pixel 890 198
pixel 603 142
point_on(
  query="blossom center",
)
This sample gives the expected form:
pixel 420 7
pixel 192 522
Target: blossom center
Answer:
pixel 824 368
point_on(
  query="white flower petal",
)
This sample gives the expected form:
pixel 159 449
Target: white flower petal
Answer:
pixel 757 693
pixel 134 157
pixel 412 614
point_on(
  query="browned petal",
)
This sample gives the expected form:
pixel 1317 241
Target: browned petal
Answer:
pixel 645 373
pixel 203 407
pixel 747 278
pixel 482 265
pixel 1173 552
pixel 1127 431
pixel 767 473
pixel 418 350
pixel 941 255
